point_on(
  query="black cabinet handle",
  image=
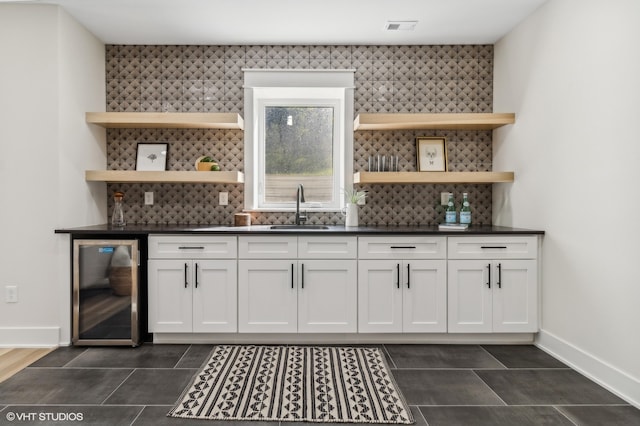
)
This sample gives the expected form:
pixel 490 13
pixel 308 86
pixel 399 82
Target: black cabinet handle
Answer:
pixel 292 276
pixel 302 271
pixel 402 247
pixel 493 247
pixel 398 270
pixel 186 282
pixel 196 275
pixel 499 275
pixel 191 248
pixel 489 280
pixel 408 275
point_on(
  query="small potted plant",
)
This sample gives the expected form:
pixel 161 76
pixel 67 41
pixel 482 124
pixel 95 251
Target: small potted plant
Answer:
pixel 206 164
pixel 353 197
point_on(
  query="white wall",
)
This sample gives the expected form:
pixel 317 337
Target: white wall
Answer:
pixel 571 73
pixel 52 72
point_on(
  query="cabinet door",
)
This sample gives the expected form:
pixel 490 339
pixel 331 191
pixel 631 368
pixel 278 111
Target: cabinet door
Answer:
pixel 469 296
pixel 379 296
pixel 215 296
pixel 169 284
pixel 515 296
pixel 267 296
pixel 327 296
pixel 424 301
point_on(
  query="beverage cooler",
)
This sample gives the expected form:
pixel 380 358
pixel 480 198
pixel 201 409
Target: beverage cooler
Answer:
pixel 106 292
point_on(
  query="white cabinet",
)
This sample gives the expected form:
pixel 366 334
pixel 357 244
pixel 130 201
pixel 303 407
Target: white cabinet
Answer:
pixel 327 296
pixel 189 290
pixel 289 284
pixel 493 284
pixel 267 295
pixel 402 284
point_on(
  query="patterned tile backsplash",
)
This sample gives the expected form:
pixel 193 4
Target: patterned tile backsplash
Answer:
pixel 443 78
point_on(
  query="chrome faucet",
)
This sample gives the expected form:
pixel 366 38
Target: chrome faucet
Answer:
pixel 300 218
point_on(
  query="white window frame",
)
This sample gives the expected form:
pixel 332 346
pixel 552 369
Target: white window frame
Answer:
pixel 264 88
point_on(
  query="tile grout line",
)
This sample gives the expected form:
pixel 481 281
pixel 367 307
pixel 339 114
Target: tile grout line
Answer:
pixel 118 387
pixel 492 356
pixel 386 351
pixel 75 357
pixel 182 357
pixel 421 415
pixel 487 385
pixel 138 416
pixel 562 413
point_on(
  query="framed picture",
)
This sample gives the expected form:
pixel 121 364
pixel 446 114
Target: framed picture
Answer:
pixel 431 153
pixel 152 156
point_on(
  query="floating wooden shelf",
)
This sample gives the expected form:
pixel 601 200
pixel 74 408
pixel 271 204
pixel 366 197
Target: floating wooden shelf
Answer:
pixel 425 121
pixel 166 120
pixel 432 177
pixel 130 176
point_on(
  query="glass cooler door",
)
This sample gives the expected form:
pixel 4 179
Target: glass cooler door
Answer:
pixel 105 292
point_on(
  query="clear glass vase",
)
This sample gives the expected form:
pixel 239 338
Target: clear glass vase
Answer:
pixel 117 217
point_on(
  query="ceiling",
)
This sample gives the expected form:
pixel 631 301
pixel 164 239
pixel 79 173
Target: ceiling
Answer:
pixel 226 22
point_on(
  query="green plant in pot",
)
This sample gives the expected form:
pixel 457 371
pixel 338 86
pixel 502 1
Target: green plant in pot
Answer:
pixel 206 163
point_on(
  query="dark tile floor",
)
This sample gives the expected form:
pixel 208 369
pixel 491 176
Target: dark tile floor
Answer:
pixel 444 384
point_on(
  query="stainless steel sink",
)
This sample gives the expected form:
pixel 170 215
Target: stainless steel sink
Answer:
pixel 299 227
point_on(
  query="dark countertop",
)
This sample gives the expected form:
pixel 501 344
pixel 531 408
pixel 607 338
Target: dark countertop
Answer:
pixel 265 229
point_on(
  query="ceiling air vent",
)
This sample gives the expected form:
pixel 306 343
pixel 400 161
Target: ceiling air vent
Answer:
pixel 400 25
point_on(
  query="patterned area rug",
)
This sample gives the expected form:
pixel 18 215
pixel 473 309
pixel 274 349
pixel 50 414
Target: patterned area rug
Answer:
pixel 294 383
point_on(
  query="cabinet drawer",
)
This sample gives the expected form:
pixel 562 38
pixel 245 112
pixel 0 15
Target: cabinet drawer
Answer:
pixel 327 247
pixel 260 247
pixel 494 247
pixel 395 247
pixel 192 247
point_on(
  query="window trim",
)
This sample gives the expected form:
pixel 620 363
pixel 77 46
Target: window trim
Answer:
pixel 328 87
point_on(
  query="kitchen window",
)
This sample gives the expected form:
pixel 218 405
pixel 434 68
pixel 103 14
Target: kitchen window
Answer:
pixel 299 130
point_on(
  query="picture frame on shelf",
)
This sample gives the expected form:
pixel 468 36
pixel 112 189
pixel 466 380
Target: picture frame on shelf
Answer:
pixel 431 154
pixel 152 156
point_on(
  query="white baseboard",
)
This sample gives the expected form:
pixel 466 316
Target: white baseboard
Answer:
pixel 29 337
pixel 614 380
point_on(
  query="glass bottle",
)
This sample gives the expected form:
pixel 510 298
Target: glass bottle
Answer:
pixel 117 217
pixel 465 210
pixel 450 212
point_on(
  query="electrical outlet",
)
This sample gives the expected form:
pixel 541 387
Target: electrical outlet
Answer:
pixel 11 294
pixel 444 198
pixel 223 198
pixel 148 198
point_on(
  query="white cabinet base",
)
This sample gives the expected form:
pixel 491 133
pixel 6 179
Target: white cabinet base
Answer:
pixel 346 338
